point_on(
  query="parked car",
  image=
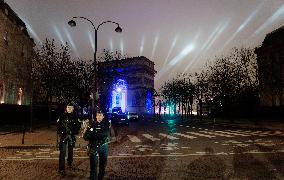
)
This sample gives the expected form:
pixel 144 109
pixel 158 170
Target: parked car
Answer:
pixel 117 110
pixel 119 119
pixel 132 116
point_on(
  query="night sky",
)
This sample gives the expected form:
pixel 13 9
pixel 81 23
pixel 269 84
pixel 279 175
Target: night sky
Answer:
pixel 178 35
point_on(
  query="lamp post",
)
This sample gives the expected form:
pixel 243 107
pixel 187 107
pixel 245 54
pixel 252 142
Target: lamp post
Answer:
pixel 118 29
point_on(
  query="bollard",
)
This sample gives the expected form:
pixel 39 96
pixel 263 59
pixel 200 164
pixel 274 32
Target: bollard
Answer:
pixel 23 138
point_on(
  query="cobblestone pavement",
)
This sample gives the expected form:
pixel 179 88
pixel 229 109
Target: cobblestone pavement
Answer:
pixel 165 150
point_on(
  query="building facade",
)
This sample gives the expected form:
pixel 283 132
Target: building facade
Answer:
pixel 270 59
pixel 131 85
pixel 16 49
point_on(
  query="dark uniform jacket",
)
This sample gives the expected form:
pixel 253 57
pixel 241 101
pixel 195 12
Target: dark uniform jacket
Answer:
pixel 68 125
pixel 98 134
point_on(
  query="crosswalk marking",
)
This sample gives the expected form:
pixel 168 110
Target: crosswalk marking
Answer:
pixel 148 136
pixel 255 133
pixel 134 139
pixel 217 134
pixel 168 136
pixel 205 133
pixel 184 135
pixel 198 134
pixel 231 133
pixel 277 133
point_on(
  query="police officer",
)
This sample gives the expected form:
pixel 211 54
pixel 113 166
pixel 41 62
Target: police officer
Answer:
pixel 98 136
pixel 68 126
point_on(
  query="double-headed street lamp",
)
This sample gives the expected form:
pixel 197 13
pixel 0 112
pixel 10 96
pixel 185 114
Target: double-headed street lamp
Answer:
pixel 118 29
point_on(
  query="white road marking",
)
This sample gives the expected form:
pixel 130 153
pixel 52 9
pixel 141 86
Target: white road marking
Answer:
pixel 242 145
pixel 277 133
pixel 39 153
pixel 236 134
pixel 198 134
pixel 12 157
pixel 125 154
pixel 146 155
pixel 232 141
pixel 156 153
pixel 42 156
pixel 200 152
pixel 256 133
pixel 144 149
pixel 168 136
pixel 185 147
pixel 148 136
pixel 55 152
pixel 134 139
pixel 47 149
pixel 184 135
pixel 176 153
pixel 217 134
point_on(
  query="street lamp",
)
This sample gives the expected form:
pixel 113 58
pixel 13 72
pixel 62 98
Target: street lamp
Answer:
pixel 118 29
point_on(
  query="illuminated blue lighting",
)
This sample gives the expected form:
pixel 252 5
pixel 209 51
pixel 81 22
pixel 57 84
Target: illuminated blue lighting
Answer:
pixel 71 42
pixel 155 45
pixel 91 41
pixel 142 45
pixel 31 30
pixel 58 34
pixel 278 14
pixel 119 95
pixel 149 102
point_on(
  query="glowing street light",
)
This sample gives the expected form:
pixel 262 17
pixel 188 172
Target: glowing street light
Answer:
pixel 118 29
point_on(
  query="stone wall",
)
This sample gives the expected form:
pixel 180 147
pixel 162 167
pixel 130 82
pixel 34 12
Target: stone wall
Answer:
pixel 270 59
pixel 16 50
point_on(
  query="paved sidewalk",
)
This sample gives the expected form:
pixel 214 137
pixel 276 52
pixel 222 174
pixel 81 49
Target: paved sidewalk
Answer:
pixel 42 137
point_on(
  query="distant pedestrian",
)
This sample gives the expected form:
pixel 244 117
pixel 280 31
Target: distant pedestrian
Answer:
pixel 98 136
pixel 68 125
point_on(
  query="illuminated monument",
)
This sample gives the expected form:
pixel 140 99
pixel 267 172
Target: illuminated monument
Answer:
pixel 270 59
pixel 130 86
